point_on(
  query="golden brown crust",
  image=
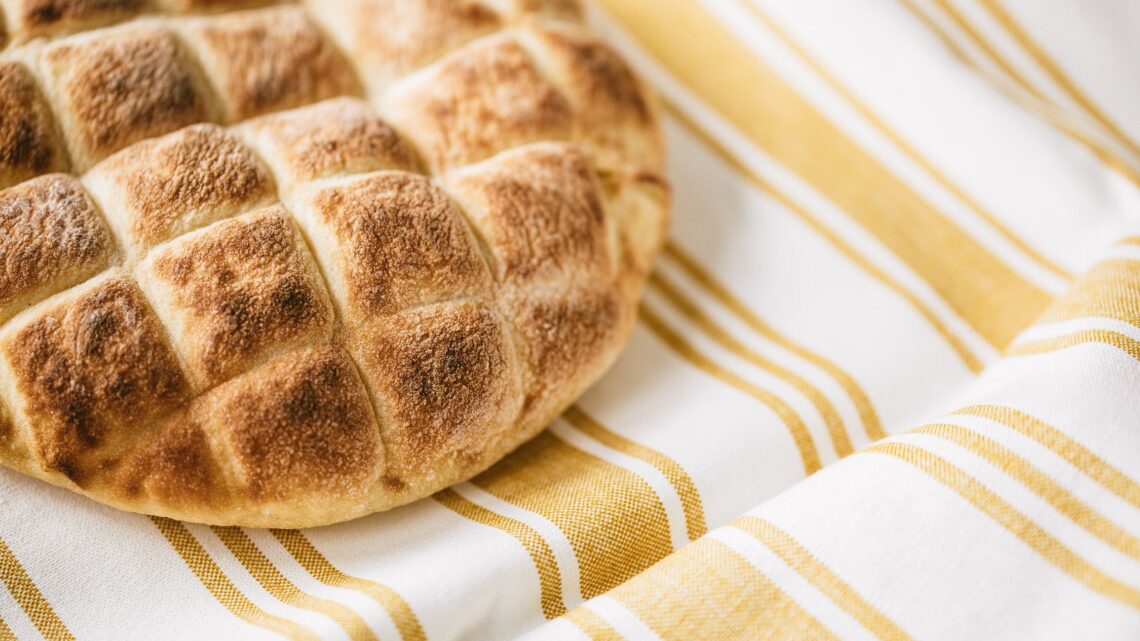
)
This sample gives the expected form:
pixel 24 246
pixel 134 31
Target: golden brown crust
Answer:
pixel 35 18
pixel 569 339
pixel 238 291
pixel 445 377
pixel 334 137
pixel 268 60
pixel 522 9
pixel 390 38
pixel 401 243
pixel 639 203
pixel 161 188
pixel 29 143
pixel 9 449
pixel 91 370
pixel 617 121
pixel 539 210
pixel 174 468
pixel 299 428
pixel 205 6
pixel 600 80
pixel 121 88
pixel 483 99
pixel 51 237
pixel 286 323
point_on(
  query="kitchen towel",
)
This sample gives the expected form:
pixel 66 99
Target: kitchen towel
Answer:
pixel 885 382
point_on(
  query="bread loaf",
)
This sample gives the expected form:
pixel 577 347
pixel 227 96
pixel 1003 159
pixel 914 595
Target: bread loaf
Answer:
pixel 283 265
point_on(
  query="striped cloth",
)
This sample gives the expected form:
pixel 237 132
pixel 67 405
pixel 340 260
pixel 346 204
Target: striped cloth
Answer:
pixel 886 382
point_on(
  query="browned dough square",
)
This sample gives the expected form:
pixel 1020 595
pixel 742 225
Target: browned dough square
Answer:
pixel 36 18
pixel 91 371
pixel 237 292
pixel 300 426
pixel 390 241
pixel 569 339
pixel 476 102
pixel 162 188
pixel 616 121
pixel 209 6
pixel 268 60
pixel 446 380
pixel 29 142
pixel 175 467
pixel 540 213
pixel 390 38
pixel 122 87
pixel 334 137
pixel 51 237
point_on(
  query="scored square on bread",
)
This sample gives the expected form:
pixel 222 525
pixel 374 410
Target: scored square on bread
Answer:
pixel 36 18
pixel 54 238
pixel 236 292
pixel 90 371
pixel 165 187
pixel 116 88
pixel 391 241
pixel 476 102
pixel 388 39
pixel 268 60
pixel 332 138
pixel 29 142
pixel 540 211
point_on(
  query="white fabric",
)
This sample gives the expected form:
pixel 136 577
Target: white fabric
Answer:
pixel 926 558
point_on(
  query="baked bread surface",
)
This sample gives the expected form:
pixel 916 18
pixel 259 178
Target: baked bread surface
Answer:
pixel 283 265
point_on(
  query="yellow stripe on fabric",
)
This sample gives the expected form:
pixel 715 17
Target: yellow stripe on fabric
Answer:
pixel 549 578
pixel 1020 526
pixel 992 53
pixel 6 633
pixel 986 293
pixel 968 358
pixel 1037 52
pixel 904 146
pixel 1110 289
pixel 1062 445
pixel 613 519
pixel 27 594
pixel 1126 344
pixel 593 625
pixel 809 455
pixel 713 330
pixel 682 483
pixel 703 277
pixel 321 569
pixel 1076 510
pixel 220 586
pixel 708 592
pixel 839 591
pixel 275 583
pixel 1037 103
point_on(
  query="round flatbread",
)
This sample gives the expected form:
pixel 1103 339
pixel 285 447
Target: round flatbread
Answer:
pixel 283 266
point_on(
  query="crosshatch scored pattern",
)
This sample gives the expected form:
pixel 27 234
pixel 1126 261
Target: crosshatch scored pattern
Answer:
pixel 281 264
